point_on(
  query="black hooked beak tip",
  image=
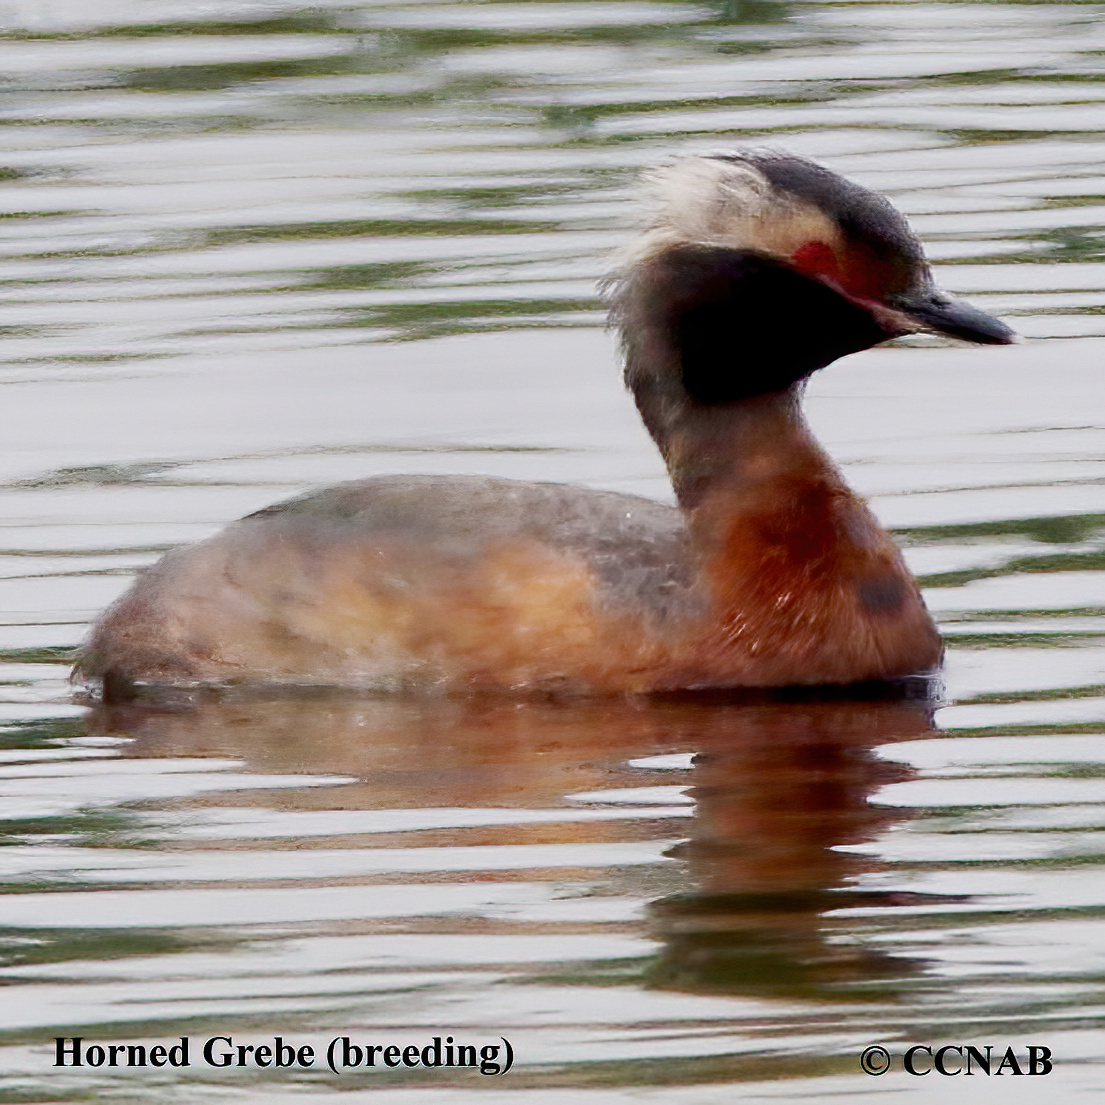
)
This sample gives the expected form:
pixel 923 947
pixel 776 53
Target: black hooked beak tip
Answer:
pixel 934 310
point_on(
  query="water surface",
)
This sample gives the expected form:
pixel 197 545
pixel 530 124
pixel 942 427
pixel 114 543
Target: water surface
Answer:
pixel 258 248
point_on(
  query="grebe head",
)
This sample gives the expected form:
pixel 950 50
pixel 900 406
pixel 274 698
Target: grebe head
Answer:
pixel 760 267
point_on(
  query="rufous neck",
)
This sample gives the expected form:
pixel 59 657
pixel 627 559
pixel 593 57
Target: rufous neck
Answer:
pixel 719 456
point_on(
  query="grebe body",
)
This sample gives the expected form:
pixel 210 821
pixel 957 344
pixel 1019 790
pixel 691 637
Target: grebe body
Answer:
pixel 759 269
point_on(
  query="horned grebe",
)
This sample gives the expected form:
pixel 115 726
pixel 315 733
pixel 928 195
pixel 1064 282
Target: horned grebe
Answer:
pixel 758 269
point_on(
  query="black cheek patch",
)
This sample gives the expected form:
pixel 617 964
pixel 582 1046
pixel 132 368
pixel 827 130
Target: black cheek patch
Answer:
pixel 745 324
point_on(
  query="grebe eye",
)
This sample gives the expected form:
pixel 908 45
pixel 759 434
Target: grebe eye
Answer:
pixel 816 259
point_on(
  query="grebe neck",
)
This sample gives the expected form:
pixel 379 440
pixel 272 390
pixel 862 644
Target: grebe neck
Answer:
pixel 718 345
pixel 740 459
pixel 722 449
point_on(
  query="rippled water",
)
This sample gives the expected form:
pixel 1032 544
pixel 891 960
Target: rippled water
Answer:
pixel 248 249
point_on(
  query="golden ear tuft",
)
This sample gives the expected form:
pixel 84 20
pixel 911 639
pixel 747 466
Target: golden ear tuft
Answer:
pixel 725 202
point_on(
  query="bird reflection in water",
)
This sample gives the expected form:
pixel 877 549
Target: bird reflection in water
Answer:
pixel 779 789
pixel 779 783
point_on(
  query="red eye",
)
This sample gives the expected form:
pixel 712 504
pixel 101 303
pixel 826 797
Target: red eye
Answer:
pixel 859 274
pixel 817 259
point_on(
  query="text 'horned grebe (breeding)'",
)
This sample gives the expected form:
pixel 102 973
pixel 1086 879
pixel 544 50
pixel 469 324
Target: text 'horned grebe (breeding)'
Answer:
pixel 758 269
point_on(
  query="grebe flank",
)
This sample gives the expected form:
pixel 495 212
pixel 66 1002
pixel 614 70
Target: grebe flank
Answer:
pixel 758 269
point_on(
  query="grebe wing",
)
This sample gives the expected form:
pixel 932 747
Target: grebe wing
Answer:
pixel 637 549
